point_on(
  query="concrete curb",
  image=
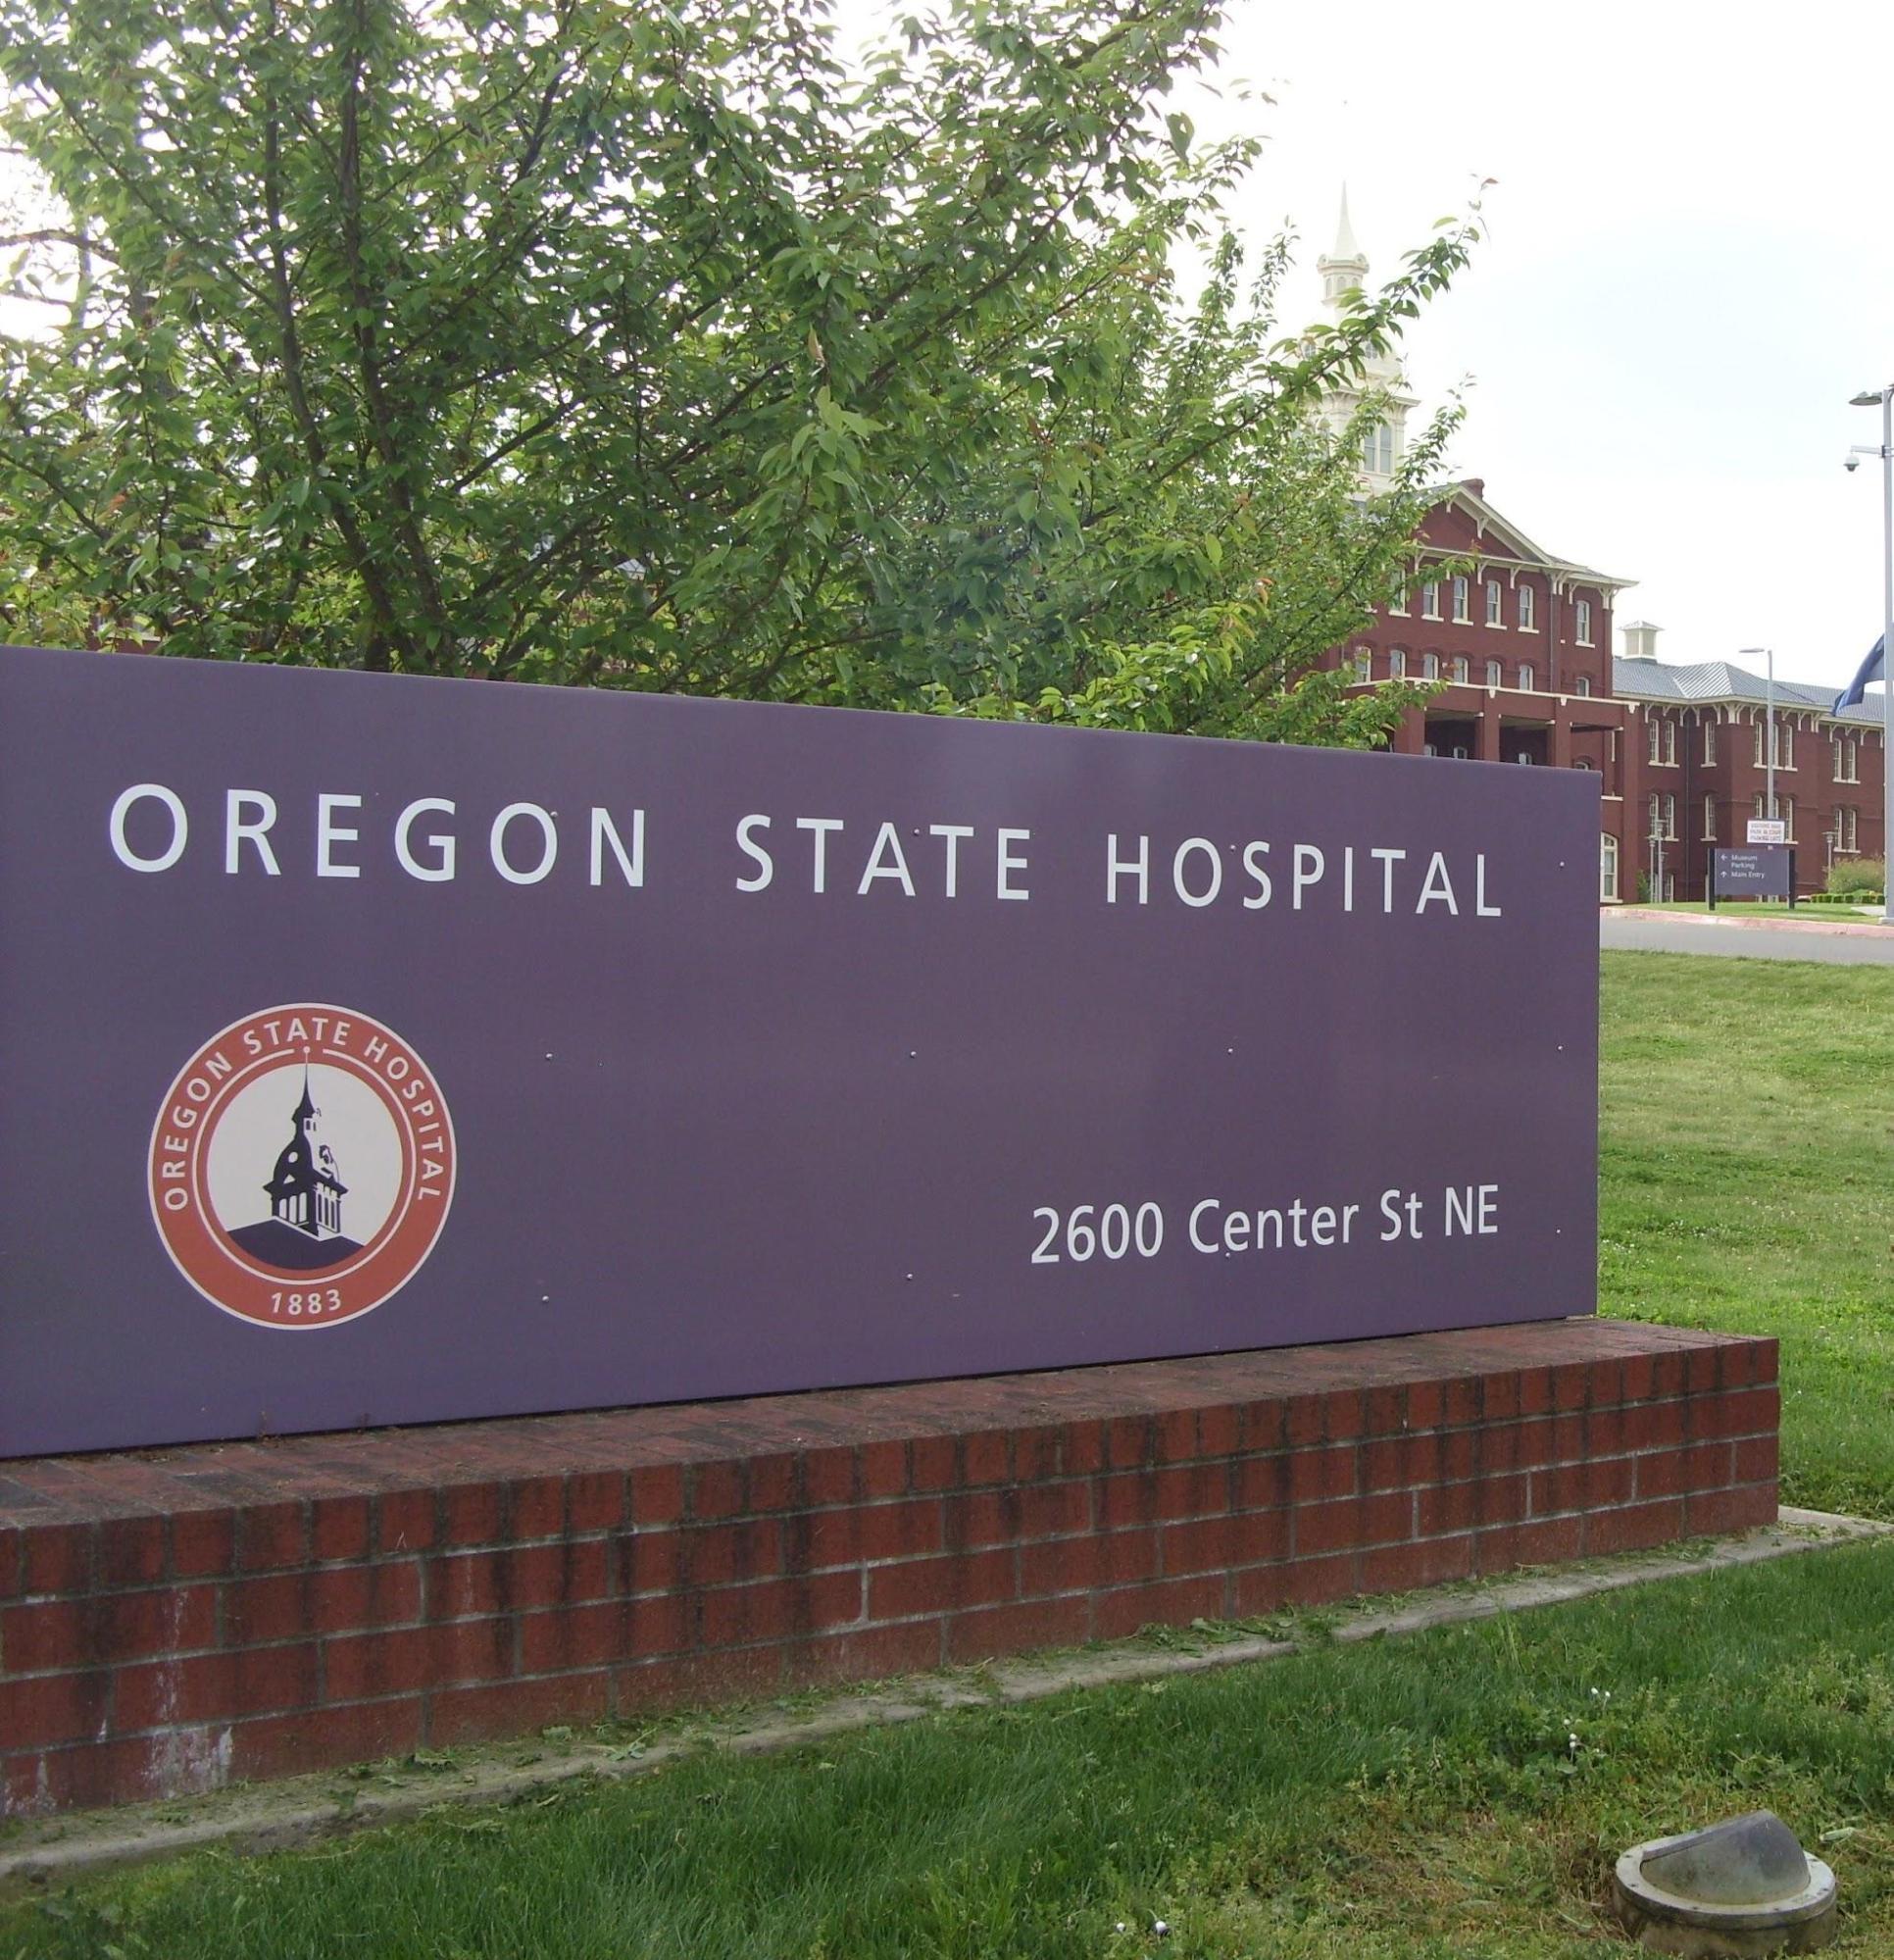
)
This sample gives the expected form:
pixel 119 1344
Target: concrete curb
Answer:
pixel 277 1817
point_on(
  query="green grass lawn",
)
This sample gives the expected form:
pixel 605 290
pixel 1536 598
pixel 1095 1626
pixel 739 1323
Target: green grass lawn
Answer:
pixel 1747 1183
pixel 1458 1793
pixel 1417 1797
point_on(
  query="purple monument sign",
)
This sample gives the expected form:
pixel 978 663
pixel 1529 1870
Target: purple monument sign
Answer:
pixel 384 1050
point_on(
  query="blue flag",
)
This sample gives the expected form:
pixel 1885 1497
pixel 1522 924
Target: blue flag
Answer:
pixel 1873 668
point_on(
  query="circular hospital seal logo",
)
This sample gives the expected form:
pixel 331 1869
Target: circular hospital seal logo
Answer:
pixel 302 1165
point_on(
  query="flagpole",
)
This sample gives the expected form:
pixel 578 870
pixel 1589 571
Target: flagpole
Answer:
pixel 1884 398
pixel 1887 647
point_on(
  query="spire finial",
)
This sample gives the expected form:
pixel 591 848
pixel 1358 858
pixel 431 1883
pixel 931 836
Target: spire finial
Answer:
pixel 1345 245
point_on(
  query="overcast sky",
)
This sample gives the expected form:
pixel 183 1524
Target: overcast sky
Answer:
pixel 1691 270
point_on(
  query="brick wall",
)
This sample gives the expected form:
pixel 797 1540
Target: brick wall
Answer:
pixel 170 1622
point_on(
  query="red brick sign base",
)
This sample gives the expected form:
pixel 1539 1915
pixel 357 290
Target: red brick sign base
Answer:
pixel 172 1622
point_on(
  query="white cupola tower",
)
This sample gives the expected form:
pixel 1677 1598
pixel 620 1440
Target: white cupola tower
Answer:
pixel 1344 271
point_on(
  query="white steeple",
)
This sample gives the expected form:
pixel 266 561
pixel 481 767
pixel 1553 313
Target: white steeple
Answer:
pixel 1344 271
pixel 1346 267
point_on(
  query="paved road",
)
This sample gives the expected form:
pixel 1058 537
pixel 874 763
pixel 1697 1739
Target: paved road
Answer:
pixel 1685 934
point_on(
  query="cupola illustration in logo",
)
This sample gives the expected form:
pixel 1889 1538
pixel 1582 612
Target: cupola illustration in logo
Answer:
pixel 248 1183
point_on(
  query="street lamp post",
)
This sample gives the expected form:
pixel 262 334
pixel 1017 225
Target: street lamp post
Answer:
pixel 1883 399
pixel 1768 726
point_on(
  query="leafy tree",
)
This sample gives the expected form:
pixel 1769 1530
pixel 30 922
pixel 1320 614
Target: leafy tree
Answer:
pixel 651 346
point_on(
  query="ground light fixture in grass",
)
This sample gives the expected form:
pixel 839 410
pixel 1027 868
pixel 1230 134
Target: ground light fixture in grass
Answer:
pixel 1734 1890
pixel 1462 1793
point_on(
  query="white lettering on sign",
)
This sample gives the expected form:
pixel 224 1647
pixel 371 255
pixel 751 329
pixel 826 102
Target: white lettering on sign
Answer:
pixel 439 869
pixel 149 830
pixel 181 829
pixel 1217 1228
pixel 237 832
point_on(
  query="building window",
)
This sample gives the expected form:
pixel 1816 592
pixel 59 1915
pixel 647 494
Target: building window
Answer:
pixel 1525 680
pixel 1607 866
pixel 1785 809
pixel 1710 820
pixel 1460 668
pixel 1495 678
pixel 1846 833
pixel 1461 614
pixel 1709 744
pixel 1428 748
pixel 1784 744
pixel 1662 741
pixel 1399 603
pixel 1524 756
pixel 1584 761
pixel 1377 449
pixel 1429 666
pixel 1363 660
pixel 1847 760
pixel 1526 600
pixel 1581 609
pixel 1460 751
pixel 1430 598
pixel 1493 600
pixel 1582 685
pixel 1663 818
pixel 1397 663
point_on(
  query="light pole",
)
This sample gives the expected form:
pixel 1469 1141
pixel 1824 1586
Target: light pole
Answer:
pixel 1883 399
pixel 1768 724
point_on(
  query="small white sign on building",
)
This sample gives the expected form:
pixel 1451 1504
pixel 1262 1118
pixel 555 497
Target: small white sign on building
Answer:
pixel 1768 831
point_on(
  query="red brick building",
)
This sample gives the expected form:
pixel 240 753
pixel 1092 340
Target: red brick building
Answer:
pixel 1521 645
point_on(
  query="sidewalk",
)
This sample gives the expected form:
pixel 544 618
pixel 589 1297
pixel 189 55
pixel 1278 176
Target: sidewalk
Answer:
pixel 1800 921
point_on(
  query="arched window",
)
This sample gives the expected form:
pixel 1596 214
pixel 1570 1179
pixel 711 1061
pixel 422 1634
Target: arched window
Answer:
pixel 1397 664
pixel 1460 668
pixel 1429 666
pixel 1495 675
pixel 1526 680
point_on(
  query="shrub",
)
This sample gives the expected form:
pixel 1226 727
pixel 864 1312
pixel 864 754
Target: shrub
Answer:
pixel 1850 878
